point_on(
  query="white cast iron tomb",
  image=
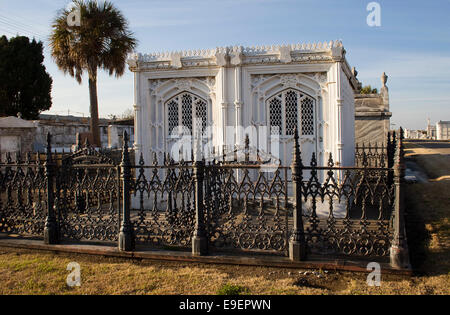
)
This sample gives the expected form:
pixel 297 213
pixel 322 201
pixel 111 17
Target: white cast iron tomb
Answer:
pixel 226 93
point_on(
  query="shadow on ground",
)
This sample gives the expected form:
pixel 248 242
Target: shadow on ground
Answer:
pixel 428 228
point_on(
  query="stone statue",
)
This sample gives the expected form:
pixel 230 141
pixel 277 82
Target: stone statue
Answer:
pixel 384 79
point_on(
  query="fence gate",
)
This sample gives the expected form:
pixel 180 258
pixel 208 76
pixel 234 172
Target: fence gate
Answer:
pixel 88 197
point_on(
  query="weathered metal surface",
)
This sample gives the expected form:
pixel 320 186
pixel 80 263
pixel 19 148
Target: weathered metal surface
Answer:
pixel 87 192
pixel 305 209
pixel 23 196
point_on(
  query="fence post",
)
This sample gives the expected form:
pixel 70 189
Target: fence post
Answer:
pixel 247 149
pixel 297 243
pixel 126 241
pixel 399 247
pixel 199 240
pixel 50 228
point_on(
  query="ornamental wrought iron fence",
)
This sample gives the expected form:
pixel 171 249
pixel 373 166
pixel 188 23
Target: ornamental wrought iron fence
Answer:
pixel 87 197
pixel 205 207
pixel 377 154
pixel 23 196
pixel 163 210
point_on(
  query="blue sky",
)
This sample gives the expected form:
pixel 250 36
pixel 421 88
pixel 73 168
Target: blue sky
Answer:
pixel 412 45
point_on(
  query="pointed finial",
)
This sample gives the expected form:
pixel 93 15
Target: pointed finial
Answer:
pixel 49 143
pixel 296 156
pixel 155 159
pixel 141 159
pixel 247 148
pixel 399 152
pixel 314 160
pixel 365 161
pixel 330 160
pixel 125 139
pixel 125 153
pixel 224 152
pixel 78 140
pixel 86 142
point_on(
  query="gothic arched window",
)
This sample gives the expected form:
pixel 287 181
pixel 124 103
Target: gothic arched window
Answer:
pixel 185 110
pixel 289 107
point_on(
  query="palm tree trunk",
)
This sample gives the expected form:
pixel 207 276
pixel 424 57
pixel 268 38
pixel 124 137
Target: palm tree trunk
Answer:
pixel 94 127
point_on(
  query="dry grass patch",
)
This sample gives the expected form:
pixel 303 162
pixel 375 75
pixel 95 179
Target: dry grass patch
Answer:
pixel 436 165
pixel 34 272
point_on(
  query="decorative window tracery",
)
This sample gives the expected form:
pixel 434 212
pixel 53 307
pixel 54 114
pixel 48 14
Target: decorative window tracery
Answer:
pixel 307 117
pixel 289 107
pixel 276 114
pixel 291 112
pixel 172 109
pixel 186 109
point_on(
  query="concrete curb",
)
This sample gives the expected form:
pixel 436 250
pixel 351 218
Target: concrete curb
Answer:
pixel 178 256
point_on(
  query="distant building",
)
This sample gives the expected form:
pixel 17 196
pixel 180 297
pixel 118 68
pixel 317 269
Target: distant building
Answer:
pixel 443 130
pixel 16 135
pixel 115 133
pixel 19 135
pixel 431 131
pixel 65 128
pixel 415 134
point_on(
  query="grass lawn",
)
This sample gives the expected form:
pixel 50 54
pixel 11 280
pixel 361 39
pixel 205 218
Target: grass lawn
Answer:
pixel 31 272
pixel 428 205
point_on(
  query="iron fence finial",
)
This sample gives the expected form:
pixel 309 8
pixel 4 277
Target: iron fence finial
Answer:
pixel 125 153
pixel 141 159
pixel 297 243
pixel 49 142
pixel 296 158
pixel 247 148
pixel 330 160
pixel 155 159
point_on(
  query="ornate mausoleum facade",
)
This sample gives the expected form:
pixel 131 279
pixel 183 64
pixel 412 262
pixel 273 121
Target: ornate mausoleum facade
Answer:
pixel 264 92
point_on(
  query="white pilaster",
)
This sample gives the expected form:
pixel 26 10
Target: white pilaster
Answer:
pixel 224 102
pixel 339 104
pixel 137 115
pixel 238 103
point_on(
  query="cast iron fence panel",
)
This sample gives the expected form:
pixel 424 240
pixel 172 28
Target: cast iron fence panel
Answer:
pixel 163 212
pixel 88 197
pixel 247 208
pixel 366 202
pixel 23 202
pixel 371 155
pixel 376 155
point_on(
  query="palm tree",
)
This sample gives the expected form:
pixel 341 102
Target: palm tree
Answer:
pixel 102 41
